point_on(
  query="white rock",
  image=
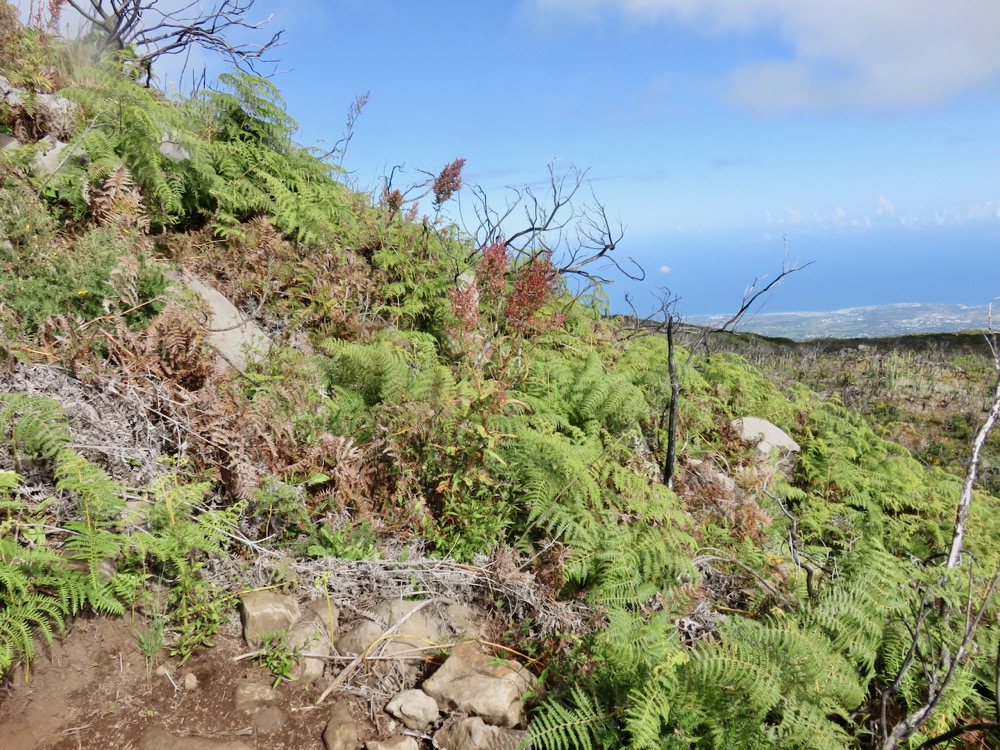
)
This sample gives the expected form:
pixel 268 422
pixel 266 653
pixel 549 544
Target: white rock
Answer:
pixel 414 708
pixel 341 731
pixel 265 613
pixel 399 742
pixel 474 734
pixel 480 685
pixel 766 435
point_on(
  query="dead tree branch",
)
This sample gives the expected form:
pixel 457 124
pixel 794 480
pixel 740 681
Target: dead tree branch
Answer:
pixel 581 237
pixel 965 499
pixel 154 29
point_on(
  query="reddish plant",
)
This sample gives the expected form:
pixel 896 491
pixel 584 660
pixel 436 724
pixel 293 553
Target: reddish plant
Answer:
pixel 533 286
pixel 448 182
pixel 491 272
pixel 465 308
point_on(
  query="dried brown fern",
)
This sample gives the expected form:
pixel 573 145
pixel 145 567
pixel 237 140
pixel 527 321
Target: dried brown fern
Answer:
pixel 116 200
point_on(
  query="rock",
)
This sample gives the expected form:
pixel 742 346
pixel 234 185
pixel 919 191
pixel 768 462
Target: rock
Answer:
pixel 268 719
pixel 173 149
pixel 324 613
pixel 341 731
pixel 308 638
pixel 236 339
pixel 398 742
pixel 8 143
pixel 766 436
pixel 190 682
pixel 462 620
pixel 52 156
pixel 47 114
pixel 249 696
pixel 481 685
pixel 265 613
pixel 356 638
pixel 56 115
pixel 421 626
pixel 159 738
pixel 414 708
pixel 475 734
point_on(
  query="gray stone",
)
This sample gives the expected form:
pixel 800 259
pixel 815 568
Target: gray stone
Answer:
pixel 268 719
pixel 324 613
pixel 474 734
pixel 249 696
pixel 341 731
pixel 462 621
pixel 419 629
pixel 357 637
pixel 190 682
pixel 265 613
pixel 235 338
pixel 52 156
pixel 8 143
pixel 159 738
pixel 57 115
pixel 308 638
pixel 765 435
pixel 398 742
pixel 414 708
pixel 481 685
pixel 173 149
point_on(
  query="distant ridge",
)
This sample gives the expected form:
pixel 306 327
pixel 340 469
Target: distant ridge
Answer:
pixel 863 322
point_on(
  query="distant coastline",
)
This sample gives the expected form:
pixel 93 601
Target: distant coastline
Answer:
pixel 864 322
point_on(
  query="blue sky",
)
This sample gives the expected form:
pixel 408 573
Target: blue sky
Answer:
pixel 863 133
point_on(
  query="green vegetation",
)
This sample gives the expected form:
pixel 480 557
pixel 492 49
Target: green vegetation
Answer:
pixel 430 387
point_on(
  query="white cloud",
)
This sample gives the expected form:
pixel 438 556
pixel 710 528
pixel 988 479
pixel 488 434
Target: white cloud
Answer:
pixel 664 269
pixel 885 206
pixel 870 54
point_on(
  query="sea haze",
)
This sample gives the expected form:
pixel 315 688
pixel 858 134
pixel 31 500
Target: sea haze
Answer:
pixel 863 322
pixel 849 269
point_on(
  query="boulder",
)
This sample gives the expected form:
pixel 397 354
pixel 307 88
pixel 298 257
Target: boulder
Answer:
pixel 475 734
pixel 52 156
pixel 765 435
pixel 414 708
pixel 341 731
pixel 265 613
pixel 481 685
pixel 419 629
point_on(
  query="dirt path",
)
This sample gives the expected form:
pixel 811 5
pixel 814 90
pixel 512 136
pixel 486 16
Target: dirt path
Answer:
pixel 91 691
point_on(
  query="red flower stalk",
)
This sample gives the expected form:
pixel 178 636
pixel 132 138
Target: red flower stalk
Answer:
pixel 533 286
pixel 448 182
pixel 491 271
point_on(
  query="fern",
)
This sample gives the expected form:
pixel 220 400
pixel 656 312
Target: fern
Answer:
pixel 570 723
pixel 32 425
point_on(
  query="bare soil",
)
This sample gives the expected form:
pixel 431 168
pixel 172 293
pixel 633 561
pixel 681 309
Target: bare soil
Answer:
pixel 92 689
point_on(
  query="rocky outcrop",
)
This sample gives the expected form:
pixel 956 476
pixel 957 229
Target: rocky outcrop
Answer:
pixel 37 115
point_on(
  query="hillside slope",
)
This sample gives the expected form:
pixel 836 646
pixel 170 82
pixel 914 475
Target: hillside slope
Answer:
pixel 436 396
